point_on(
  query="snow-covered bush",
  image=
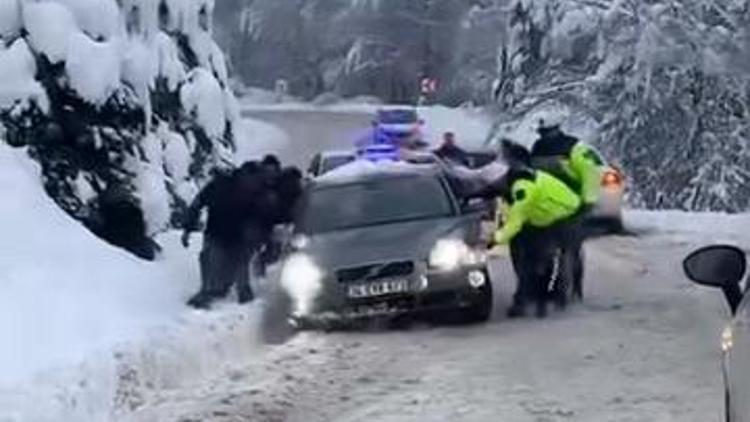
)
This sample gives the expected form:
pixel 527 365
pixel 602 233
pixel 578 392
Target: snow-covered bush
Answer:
pixel 666 80
pixel 125 104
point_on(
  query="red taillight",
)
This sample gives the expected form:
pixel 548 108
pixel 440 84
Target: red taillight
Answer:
pixel 611 179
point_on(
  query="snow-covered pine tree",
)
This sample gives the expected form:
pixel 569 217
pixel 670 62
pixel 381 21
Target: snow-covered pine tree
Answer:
pixel 125 104
pixel 666 81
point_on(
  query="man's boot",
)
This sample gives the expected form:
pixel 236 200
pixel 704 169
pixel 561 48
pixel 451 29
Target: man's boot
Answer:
pixel 201 300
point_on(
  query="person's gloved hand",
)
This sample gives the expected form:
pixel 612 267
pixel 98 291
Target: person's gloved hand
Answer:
pixel 491 244
pixel 185 239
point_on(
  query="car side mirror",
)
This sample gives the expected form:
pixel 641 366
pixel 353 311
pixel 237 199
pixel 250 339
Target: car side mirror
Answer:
pixel 721 266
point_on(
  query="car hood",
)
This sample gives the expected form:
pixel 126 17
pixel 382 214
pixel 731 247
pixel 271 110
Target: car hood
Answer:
pixel 392 242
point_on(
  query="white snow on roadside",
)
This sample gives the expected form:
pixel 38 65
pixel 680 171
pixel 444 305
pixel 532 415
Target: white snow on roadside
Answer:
pixel 706 227
pixel 83 336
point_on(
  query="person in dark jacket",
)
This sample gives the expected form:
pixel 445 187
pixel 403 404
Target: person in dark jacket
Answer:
pixel 450 151
pixel 225 255
pixel 286 186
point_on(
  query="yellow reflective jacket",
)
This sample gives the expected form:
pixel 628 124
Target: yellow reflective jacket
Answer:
pixel 540 201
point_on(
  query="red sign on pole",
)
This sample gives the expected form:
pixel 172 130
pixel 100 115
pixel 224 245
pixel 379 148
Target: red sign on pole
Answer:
pixel 429 85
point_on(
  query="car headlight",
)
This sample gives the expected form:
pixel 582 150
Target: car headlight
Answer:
pixel 300 241
pixel 727 339
pixel 449 254
pixel 302 280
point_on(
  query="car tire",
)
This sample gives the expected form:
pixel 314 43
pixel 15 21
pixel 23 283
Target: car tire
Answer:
pixel 481 310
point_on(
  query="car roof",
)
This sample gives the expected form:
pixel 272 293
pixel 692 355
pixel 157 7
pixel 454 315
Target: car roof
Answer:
pixel 397 171
pixel 337 153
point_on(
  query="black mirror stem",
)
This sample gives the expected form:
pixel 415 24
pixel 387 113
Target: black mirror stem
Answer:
pixel 733 294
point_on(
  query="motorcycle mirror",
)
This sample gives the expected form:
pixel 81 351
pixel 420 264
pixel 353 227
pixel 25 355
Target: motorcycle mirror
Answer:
pixel 721 266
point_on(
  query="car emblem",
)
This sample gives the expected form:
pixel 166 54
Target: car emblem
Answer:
pixel 372 272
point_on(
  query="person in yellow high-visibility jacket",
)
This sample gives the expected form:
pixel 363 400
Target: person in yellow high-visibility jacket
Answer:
pixel 579 166
pixel 537 224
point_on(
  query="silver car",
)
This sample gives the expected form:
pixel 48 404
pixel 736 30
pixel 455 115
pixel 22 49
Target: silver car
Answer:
pixel 608 211
pixel 724 267
pixel 326 161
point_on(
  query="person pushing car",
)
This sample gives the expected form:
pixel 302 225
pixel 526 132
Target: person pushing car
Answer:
pixel 538 225
pixel 575 163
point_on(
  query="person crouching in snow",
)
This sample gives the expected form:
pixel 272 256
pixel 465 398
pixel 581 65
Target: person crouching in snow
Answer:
pixel 537 226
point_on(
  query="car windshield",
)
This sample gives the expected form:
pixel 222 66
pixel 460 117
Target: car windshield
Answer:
pixel 371 203
pixel 397 116
pixel 335 161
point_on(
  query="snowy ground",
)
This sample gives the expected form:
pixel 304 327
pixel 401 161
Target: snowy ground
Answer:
pixel 643 347
pixel 86 329
pixel 111 340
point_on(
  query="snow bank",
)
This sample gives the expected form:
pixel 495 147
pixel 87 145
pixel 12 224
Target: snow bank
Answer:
pixel 91 293
pixel 17 83
pixel 93 68
pixel 709 227
pixel 203 96
pixel 85 336
pixel 50 27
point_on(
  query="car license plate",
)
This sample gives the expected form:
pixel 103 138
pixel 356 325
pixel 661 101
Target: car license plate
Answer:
pixel 378 288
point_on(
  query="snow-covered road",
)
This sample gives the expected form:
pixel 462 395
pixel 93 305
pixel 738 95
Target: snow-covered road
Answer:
pixel 643 346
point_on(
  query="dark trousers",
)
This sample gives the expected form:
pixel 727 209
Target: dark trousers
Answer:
pixel 222 266
pixel 548 263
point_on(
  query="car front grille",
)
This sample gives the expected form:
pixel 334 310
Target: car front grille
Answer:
pixel 375 271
